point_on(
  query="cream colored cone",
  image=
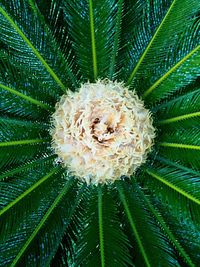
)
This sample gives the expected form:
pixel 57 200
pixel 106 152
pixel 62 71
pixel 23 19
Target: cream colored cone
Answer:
pixel 102 132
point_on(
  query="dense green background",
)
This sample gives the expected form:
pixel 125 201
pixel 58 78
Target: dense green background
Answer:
pixel 48 218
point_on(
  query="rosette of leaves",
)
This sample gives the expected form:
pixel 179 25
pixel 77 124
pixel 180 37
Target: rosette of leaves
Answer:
pixel 48 217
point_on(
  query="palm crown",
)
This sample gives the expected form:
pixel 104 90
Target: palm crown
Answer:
pixel 47 216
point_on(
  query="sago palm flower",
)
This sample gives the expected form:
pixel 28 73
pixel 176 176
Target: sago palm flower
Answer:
pixel 99 133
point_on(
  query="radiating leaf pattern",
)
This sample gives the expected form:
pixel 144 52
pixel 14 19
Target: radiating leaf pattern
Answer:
pixel 48 217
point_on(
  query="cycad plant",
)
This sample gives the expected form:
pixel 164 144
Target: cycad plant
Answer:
pixel 49 215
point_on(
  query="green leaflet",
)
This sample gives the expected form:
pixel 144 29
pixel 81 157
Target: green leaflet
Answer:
pixel 104 238
pixel 163 224
pixel 35 51
pixel 116 39
pixel 174 187
pixel 49 217
pixel 24 194
pixel 181 117
pixel 25 167
pixel 92 35
pixel 133 226
pixel 150 43
pixel 189 62
pixel 42 222
pixel 27 98
pixel 173 30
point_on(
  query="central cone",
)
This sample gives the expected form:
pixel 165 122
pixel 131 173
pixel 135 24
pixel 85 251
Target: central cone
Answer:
pixel 102 132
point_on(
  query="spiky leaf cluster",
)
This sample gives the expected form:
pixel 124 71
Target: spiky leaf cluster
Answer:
pixel 49 218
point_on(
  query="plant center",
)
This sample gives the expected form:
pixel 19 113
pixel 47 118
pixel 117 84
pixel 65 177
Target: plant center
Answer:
pixel 102 132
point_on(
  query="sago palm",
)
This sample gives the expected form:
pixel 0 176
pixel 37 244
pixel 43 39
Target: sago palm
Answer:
pixel 99 133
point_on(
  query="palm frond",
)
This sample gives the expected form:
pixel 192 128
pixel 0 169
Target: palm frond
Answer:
pixel 143 228
pixel 92 29
pixel 10 205
pixel 166 27
pixel 52 15
pixel 27 167
pixel 176 185
pixel 167 231
pixel 114 53
pixel 37 231
pixel 183 228
pixel 181 111
pixel 185 144
pixel 13 129
pixel 18 152
pixel 176 77
pixel 46 62
pixel 38 220
pixel 106 243
pixel 47 216
pixel 18 94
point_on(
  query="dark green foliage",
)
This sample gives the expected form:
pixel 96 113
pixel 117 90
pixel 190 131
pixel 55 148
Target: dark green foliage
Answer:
pixel 101 240
pixel 47 217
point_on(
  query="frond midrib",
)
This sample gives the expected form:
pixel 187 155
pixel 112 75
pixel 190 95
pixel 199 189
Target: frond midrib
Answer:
pixel 28 191
pixel 133 226
pixel 27 98
pixel 116 40
pixel 169 72
pixel 179 145
pixel 92 30
pixel 171 236
pixel 24 142
pixel 19 169
pixel 35 51
pixel 174 187
pixel 41 223
pixel 150 44
pixel 180 118
pixel 101 235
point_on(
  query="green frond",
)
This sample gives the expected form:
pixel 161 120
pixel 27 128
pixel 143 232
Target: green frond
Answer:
pixel 12 154
pixel 27 98
pixel 92 28
pixel 27 192
pixel 27 167
pixel 106 243
pixel 48 204
pixel 182 144
pixel 143 230
pixel 186 96
pixel 172 185
pixel 47 216
pixel 101 230
pixel 180 118
pixel 23 142
pixel 185 230
pixel 41 223
pixel 114 53
pixel 167 231
pixel 181 111
pixel 15 129
pixel 46 62
pixel 176 77
pixel 18 135
pixel 160 27
pixel 133 226
pixel 157 32
pixel 177 165
pixel 175 185
pixel 18 96
pixel 52 15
